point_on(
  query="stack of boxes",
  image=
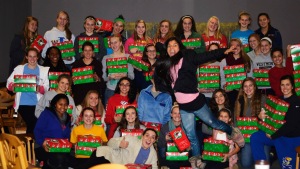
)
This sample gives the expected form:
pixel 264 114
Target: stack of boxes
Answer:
pixel 58 145
pixel 208 77
pixel 192 43
pixel 25 83
pixel 86 145
pixel 66 48
pixel 83 75
pixel 93 40
pixel 136 61
pixel 117 65
pixel 214 150
pixel 234 76
pixel 178 151
pixel 261 77
pixel 247 126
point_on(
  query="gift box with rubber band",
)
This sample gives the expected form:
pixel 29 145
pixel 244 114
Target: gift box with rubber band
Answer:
pixel 138 62
pixel 25 79
pixel 19 87
pixel 93 40
pixel 233 85
pixel 66 48
pixel 117 69
pixel 132 132
pixel 261 81
pixel 116 61
pixel 209 69
pixel 89 141
pixel 235 77
pixel 277 104
pixel 261 73
pixel 273 113
pixel 87 70
pixel 83 79
pixel 177 156
pixel 234 69
pixel 58 145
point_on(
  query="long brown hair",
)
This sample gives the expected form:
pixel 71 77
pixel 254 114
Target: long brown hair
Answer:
pixel 123 123
pixel 243 55
pixel 135 35
pixel 68 31
pixel 85 103
pixel 255 100
pixel 26 33
pixel 168 35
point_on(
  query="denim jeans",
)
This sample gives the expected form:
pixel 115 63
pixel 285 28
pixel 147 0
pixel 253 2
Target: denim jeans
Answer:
pixel 189 125
pixel 246 158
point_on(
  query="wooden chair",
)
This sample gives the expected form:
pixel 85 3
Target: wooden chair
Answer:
pixel 297 157
pixel 14 152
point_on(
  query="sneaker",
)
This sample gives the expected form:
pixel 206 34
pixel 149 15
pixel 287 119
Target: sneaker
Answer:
pixel 199 163
pixel 237 137
pixel 192 160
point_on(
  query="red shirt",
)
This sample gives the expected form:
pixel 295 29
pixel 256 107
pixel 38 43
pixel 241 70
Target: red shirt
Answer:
pixel 211 39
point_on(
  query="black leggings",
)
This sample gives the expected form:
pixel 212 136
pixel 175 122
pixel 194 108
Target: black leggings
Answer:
pixel 27 113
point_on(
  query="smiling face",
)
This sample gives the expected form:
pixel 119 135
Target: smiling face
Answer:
pixel 151 52
pixel 244 21
pixel 115 44
pixel 219 98
pixel 175 114
pixel 124 87
pixel 213 25
pixel 61 106
pixel 187 25
pixel 164 28
pixel 88 117
pixel 63 85
pixel 53 56
pixel 89 26
pixel 172 48
pixel 237 44
pixel 277 59
pixel 263 21
pixel 32 26
pixel 265 47
pixel 88 52
pixel 248 88
pixel 93 100
pixel 224 117
pixel 286 88
pixel 62 20
pixel 140 29
pixel 130 115
pixel 253 42
pixel 32 58
pixel 148 139
pixel 118 27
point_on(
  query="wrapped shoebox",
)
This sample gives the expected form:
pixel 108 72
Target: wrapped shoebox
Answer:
pixel 132 132
pixel 117 69
pixel 180 139
pixel 83 79
pixel 138 62
pixel 21 79
pixel 138 166
pixel 262 82
pixel 58 145
pixel 89 141
pixel 235 77
pixel 212 156
pixel 177 156
pixel 38 43
pixel 247 126
pixel 66 48
pixel 93 40
pixel 84 151
pixel 266 128
pixel 261 73
pixel 103 25
pixel 171 147
pixel 275 123
pixel 209 84
pixel 277 104
pixel 209 69
pixel 19 87
pixel 55 75
pixel 116 61
pixel 233 85
pixel 208 76
pixel 140 45
pixel 192 43
pixel 53 84
pixel 212 145
pixel 273 113
pixel 87 70
pixel 234 69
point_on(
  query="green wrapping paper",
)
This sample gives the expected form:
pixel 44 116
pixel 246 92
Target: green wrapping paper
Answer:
pixel 148 75
pixel 296 65
pixel 246 121
pixel 106 42
pixel 193 42
pixel 24 87
pixel 140 45
pixel 116 61
pixel 234 69
pixel 139 63
pixel 233 85
pixel 55 75
pixel 177 156
pixel 277 104
pixel 273 113
pixel 209 84
pixel 296 74
pixel 248 129
pixel 171 147
pixel 88 70
pixel 297 91
pixel 297 82
pixel 85 151
pixel 235 77
pixel 266 128
pixel 209 69
pixel 262 82
pixel 120 108
pixel 212 156
pixel 66 48
pixel 247 138
pixel 261 73
pixel 275 123
pixel 296 57
pixel 117 69
pixel 25 79
pixel 93 40
pixel 58 145
pixel 53 84
pixel 216 146
pixel 83 79
pixel 132 132
pixel 89 141
pixel 208 76
pixel 70 110
pixel 295 49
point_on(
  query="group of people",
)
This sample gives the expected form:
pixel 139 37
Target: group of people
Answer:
pixel 170 99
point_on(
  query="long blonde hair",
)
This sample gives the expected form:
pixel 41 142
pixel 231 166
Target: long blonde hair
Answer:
pixel 86 103
pixel 218 33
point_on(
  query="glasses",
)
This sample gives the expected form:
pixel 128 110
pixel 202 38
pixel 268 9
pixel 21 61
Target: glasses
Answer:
pixel 125 85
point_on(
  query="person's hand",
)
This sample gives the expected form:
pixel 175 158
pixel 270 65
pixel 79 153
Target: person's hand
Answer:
pixel 96 77
pixel 269 136
pixel 226 156
pixel 137 68
pixel 117 118
pixel 68 58
pixel 134 50
pixel 168 137
pixel 262 114
pixel 288 50
pixel 124 144
pixel 37 88
pixel 231 49
pixel 203 90
pixel 46 148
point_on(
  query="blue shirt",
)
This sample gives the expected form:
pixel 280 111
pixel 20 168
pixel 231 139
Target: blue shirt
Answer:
pixel 29 98
pixel 142 156
pixel 243 36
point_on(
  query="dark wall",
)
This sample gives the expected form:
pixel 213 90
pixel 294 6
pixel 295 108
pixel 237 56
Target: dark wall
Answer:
pixel 12 16
pixel 284 14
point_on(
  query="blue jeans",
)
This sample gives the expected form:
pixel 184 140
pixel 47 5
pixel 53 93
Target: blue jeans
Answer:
pixel 246 158
pixel 189 125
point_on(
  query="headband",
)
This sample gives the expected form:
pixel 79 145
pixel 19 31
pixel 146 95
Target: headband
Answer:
pixel 186 16
pixel 119 19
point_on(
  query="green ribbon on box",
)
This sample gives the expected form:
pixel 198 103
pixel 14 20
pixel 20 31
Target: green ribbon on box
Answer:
pixel 83 73
pixel 140 48
pixel 262 83
pixel 212 147
pixel 31 79
pixel 138 64
pixel 192 44
pixel 83 152
pixel 275 115
pixel 65 45
pixel 209 76
pixel 246 123
pixel 59 150
pixel 257 74
pixel 273 123
pixel 177 156
pixel 83 81
pixel 265 129
pixel 171 147
pixel 93 40
pixel 277 106
pixel 230 86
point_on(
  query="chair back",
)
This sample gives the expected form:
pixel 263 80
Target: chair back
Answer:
pixel 14 152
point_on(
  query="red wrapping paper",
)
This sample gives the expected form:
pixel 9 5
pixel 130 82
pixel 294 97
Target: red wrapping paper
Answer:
pixel 180 139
